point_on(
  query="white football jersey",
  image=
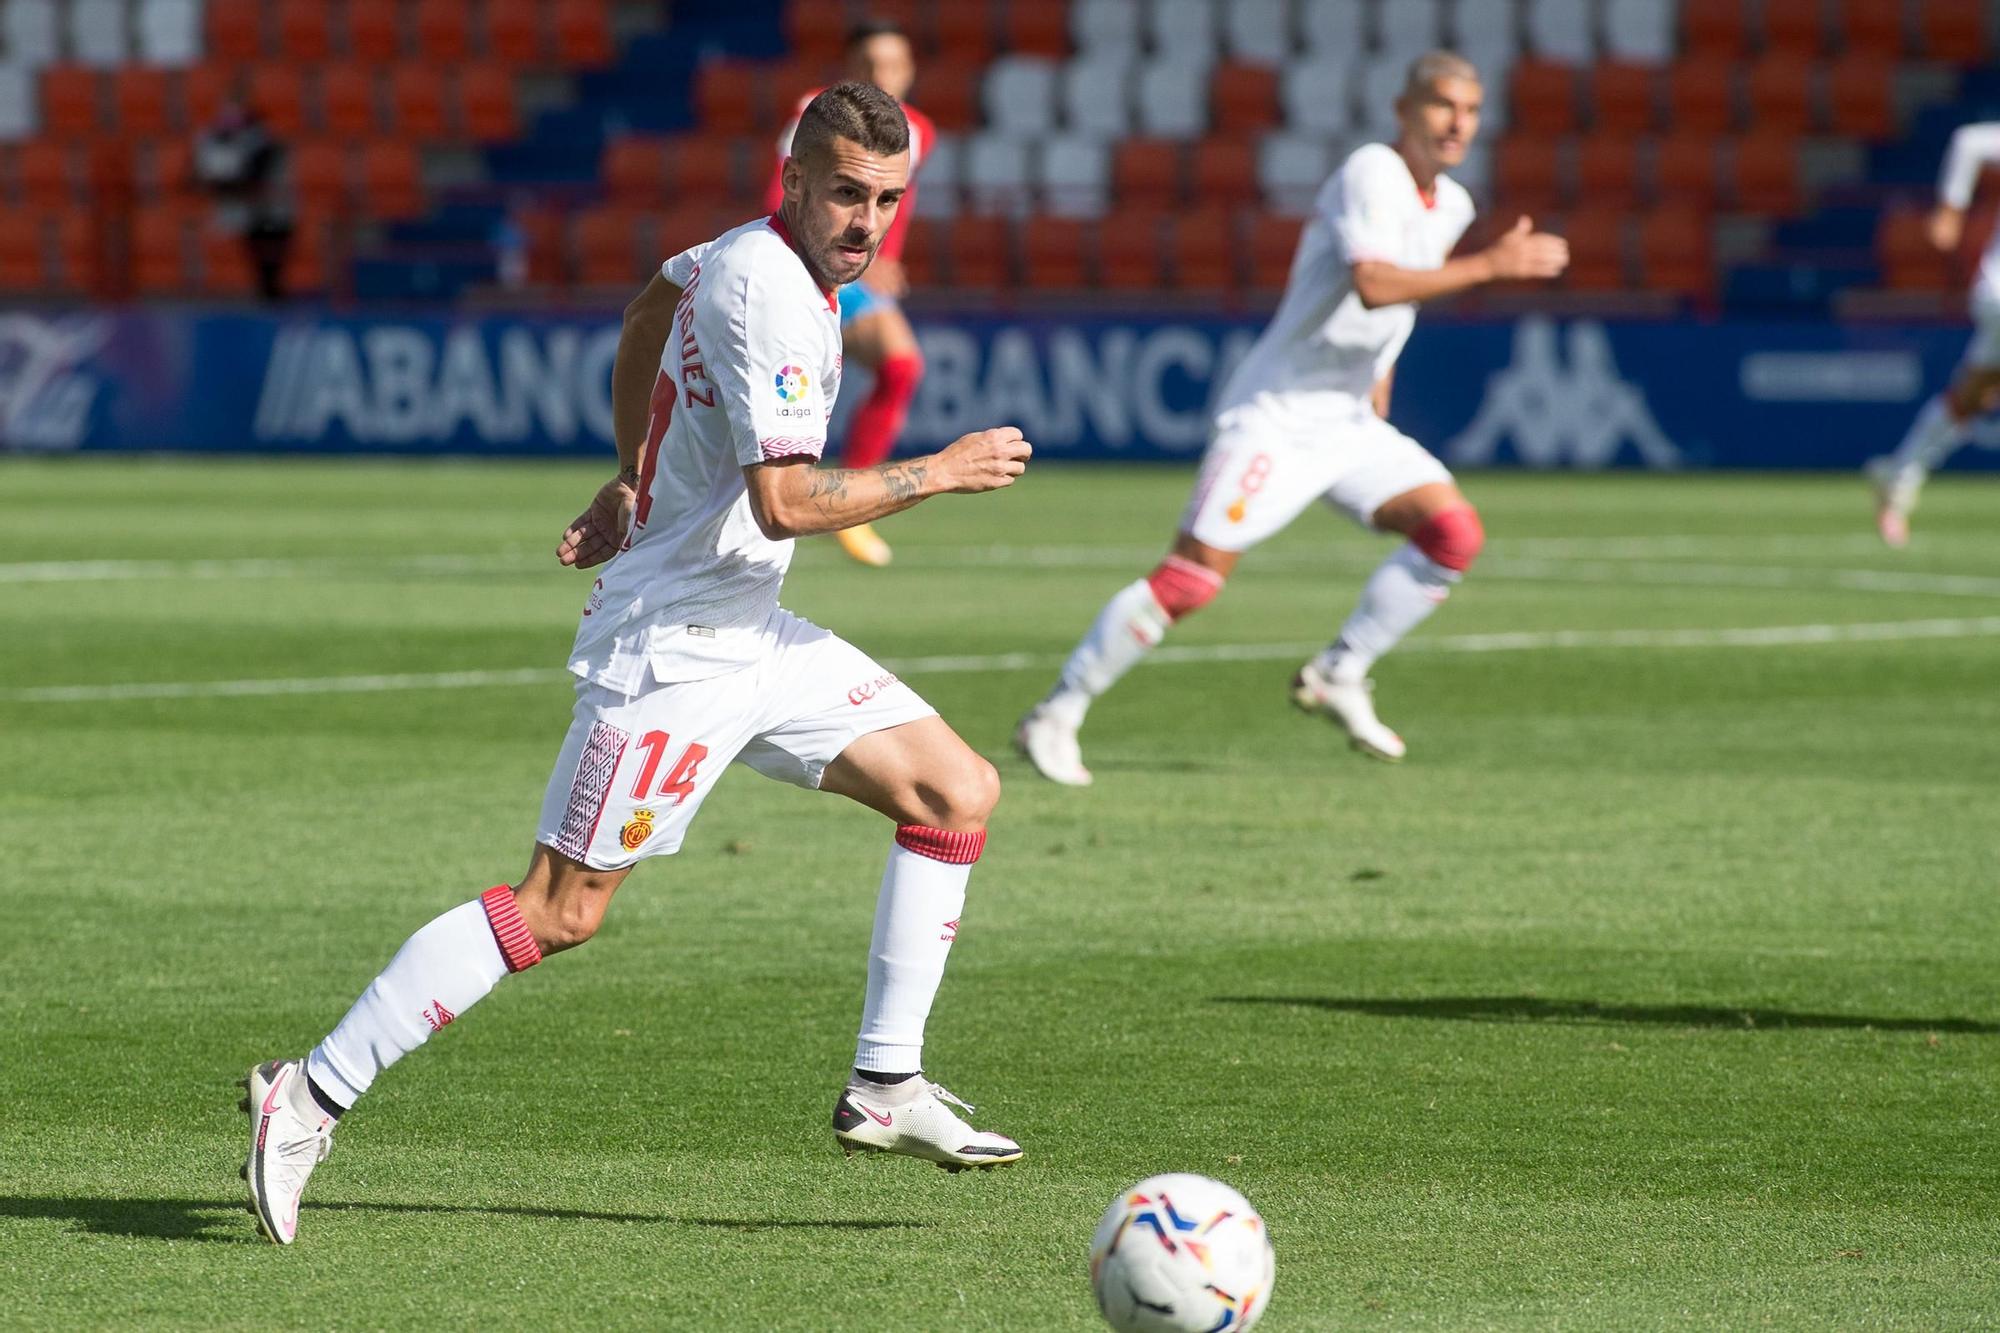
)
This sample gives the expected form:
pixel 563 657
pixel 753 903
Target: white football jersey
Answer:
pixel 749 373
pixel 1972 147
pixel 1323 343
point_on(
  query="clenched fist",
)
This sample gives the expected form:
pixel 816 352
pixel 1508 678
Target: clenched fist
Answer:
pixel 1526 253
pixel 985 460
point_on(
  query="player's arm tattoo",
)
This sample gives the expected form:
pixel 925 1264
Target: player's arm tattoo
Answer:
pixel 904 479
pixel 827 490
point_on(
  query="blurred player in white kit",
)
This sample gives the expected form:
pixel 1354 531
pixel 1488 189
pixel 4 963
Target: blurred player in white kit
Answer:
pixel 1945 420
pixel 725 377
pixel 1304 419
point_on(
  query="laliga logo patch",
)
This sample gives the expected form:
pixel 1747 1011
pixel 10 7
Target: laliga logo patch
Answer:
pixel 637 829
pixel 792 383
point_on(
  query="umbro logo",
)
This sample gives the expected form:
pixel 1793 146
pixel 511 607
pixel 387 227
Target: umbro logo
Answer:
pixel 950 931
pixel 438 1016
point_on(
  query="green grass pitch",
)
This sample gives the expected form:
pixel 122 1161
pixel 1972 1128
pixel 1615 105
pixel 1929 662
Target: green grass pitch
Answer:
pixel 1656 989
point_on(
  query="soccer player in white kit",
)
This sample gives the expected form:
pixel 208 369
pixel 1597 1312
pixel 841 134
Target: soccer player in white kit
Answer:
pixel 1944 421
pixel 1303 419
pixel 726 372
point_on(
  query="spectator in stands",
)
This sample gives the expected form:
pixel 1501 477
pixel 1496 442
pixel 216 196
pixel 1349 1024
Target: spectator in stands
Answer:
pixel 237 161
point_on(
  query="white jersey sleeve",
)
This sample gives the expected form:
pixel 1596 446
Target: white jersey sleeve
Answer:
pixel 680 269
pixel 1972 147
pixel 1366 204
pixel 767 370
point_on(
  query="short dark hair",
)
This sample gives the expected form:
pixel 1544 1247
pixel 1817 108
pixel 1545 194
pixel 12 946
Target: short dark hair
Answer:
pixel 858 111
pixel 870 28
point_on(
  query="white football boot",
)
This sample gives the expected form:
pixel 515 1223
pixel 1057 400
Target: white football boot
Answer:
pixel 289 1136
pixel 1050 744
pixel 913 1118
pixel 1352 705
pixel 1895 499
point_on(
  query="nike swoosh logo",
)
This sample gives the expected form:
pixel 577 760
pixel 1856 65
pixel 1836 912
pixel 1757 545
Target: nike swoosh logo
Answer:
pixel 870 1113
pixel 271 1097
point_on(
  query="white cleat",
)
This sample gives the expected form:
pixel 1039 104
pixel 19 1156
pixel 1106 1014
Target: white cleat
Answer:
pixel 289 1136
pixel 912 1118
pixel 1050 745
pixel 1352 705
pixel 1895 499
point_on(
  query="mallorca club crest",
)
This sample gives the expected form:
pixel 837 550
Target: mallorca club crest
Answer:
pixel 792 383
pixel 637 829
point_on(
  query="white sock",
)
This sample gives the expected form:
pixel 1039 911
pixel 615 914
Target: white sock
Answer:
pixel 916 919
pixel 438 974
pixel 1399 595
pixel 1125 630
pixel 1931 439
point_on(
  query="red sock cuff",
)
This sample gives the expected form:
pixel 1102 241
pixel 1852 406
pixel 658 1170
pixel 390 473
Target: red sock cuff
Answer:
pixel 958 849
pixel 517 942
pixel 1452 537
pixel 1181 586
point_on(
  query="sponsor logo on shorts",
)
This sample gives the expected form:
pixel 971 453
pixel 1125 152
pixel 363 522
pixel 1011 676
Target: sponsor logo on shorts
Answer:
pixel 1251 482
pixel 637 829
pixel 867 690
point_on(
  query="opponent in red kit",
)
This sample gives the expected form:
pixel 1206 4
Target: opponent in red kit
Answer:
pixel 873 328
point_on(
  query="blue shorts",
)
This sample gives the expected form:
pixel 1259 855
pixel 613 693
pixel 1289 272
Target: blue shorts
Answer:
pixel 857 300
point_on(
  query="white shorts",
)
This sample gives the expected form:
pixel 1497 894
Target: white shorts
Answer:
pixel 635 768
pixel 1266 463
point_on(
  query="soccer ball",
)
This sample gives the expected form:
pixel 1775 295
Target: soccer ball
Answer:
pixel 1181 1252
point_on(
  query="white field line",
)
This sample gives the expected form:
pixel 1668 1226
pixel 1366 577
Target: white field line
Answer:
pixel 1754 636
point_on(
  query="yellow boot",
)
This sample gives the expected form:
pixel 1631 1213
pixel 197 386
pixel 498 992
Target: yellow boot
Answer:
pixel 862 543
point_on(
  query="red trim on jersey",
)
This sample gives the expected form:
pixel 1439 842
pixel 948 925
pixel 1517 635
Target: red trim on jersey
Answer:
pixel 517 942
pixel 957 849
pixel 776 222
pixel 1429 197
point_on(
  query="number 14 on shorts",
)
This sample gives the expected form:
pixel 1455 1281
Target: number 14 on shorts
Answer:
pixel 679 781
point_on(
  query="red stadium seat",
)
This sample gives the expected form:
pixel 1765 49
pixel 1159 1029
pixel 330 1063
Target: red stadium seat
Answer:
pixel 514 32
pixel 1607 172
pixel 1871 26
pixel 1037 27
pixel 487 112
pixel 444 32
pixel 965 31
pixel 1244 98
pixel 1795 26
pixel 1714 27
pixel 347 100
pixel 1675 251
pixel 1527 173
pixel 1859 96
pixel 144 96
pixel 1909 261
pixel 981 254
pixel 417 103
pixel 548 261
pixel 815 29
pixel 1202 251
pixel 374 30
pixel 159 249
pixel 702 168
pixel 607 250
pixel 235 30
pixel 1624 97
pixel 583 33
pixel 1055 253
pixel 107 172
pixel 1273 241
pixel 1544 97
pixel 1132 250
pixel 45 175
pixel 634 170
pixel 1684 170
pixel 1765 173
pixel 81 246
pixel 23 266
pixel 391 180
pixel 923 253
pixel 1780 86
pixel 305 34
pixel 1146 171
pixel 948 92
pixel 70 102
pixel 1701 96
pixel 170 167
pixel 204 88
pixel 309 260
pixel 225 262
pixel 1953 30
pixel 320 176
pixel 726 96
pixel 277 95
pixel 1596 249
pixel 1223 170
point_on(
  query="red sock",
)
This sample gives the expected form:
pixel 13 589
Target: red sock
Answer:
pixel 872 436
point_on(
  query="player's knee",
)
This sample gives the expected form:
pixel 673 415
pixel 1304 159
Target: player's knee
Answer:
pixel 964 798
pixel 568 911
pixel 1452 537
pixel 1183 587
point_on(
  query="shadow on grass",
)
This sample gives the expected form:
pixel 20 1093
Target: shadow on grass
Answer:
pixel 227 1220
pixel 1533 1009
